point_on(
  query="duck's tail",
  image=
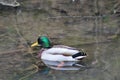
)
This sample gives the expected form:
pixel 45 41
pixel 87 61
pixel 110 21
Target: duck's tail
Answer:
pixel 79 55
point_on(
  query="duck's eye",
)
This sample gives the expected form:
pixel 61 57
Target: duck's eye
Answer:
pixel 40 41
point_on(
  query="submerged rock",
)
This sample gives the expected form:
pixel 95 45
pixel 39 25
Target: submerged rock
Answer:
pixel 12 3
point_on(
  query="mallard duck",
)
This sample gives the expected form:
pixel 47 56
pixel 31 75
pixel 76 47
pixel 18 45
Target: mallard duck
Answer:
pixel 60 53
pixel 57 52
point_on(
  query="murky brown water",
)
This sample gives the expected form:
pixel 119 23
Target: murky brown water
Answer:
pixel 16 64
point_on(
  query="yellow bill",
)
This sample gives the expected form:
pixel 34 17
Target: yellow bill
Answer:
pixel 35 44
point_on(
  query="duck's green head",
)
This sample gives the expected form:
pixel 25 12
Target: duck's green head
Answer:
pixel 43 41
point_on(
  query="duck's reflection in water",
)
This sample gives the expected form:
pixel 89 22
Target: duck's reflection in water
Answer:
pixel 66 65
